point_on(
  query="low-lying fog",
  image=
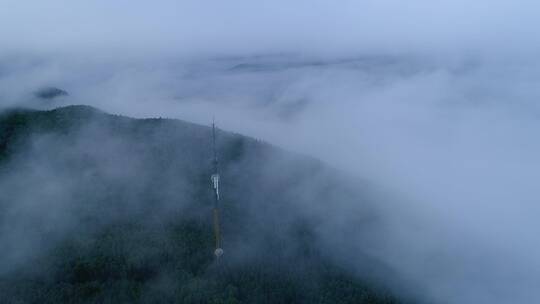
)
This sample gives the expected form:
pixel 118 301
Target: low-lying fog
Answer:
pixel 445 117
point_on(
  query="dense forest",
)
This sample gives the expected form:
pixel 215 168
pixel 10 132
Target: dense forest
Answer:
pixel 98 208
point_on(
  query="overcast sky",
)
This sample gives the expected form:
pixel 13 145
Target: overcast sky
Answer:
pixel 271 26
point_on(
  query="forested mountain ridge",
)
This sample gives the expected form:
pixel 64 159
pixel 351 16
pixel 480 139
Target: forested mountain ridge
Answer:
pixel 98 208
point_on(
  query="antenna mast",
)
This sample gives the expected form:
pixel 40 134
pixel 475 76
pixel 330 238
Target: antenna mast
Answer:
pixel 218 252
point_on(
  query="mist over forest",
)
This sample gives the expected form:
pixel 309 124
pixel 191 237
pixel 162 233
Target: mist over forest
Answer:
pixel 372 151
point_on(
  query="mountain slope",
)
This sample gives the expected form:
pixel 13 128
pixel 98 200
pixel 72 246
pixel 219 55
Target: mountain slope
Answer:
pixel 97 208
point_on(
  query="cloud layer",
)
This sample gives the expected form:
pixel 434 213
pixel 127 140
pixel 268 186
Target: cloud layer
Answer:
pixel 437 101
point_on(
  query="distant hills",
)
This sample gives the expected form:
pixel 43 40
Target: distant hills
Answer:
pixel 50 93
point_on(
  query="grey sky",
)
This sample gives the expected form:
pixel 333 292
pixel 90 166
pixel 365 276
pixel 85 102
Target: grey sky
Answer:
pixel 265 26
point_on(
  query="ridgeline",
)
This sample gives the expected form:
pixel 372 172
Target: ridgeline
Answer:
pixel 98 208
